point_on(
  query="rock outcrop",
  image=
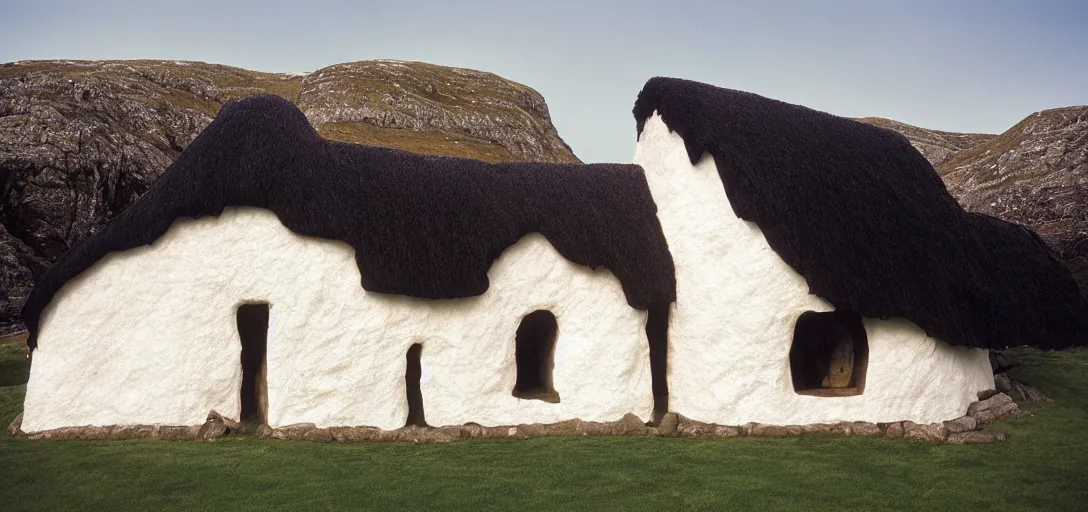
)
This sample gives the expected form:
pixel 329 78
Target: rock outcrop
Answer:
pixel 79 140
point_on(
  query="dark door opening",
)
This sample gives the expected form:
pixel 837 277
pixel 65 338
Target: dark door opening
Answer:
pixel 412 374
pixel 829 355
pixel 253 333
pixel 534 354
pixel 657 334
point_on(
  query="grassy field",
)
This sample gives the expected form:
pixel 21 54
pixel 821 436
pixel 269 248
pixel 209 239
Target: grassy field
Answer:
pixel 1042 467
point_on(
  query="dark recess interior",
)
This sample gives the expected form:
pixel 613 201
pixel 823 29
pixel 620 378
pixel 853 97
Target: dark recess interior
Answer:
pixel 829 355
pixel 253 333
pixel 535 357
pixel 657 335
pixel 412 374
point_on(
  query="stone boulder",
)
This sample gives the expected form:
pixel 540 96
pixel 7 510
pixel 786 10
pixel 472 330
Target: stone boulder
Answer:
pixel 961 424
pixel 932 432
pixel 15 428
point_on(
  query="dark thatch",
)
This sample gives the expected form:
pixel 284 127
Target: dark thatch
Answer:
pixel 868 222
pixel 422 226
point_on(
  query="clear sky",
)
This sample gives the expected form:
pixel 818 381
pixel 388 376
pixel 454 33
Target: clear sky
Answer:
pixel 957 65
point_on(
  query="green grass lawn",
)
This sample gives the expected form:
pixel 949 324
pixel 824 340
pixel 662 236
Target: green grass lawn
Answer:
pixel 1043 466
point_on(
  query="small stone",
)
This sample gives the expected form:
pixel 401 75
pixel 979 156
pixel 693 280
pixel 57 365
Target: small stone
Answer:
pixel 993 402
pixel 232 425
pixel 179 433
pixel 761 430
pixel 977 407
pixel 1006 410
pixel 474 431
pixel 839 429
pixel 1026 394
pixel 687 427
pixel 1002 383
pixel 727 431
pixel 293 431
pixel 931 432
pixel 139 432
pixel 264 431
pixel 318 434
pixel 984 417
pixel 983 395
pixel 816 428
pixel 212 430
pixel 565 428
pixel 632 425
pixel 865 429
pixel 16 425
pixel 669 425
pixel 894 430
pixel 532 430
pixel 445 435
pixel 976 437
pixel 961 424
pixel 999 363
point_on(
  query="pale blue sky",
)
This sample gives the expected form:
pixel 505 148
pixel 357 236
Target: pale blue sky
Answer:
pixel 954 65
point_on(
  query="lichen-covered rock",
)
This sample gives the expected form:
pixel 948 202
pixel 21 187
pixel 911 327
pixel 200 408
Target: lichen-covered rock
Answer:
pixel 293 431
pixel 1023 393
pixel 993 409
pixel 179 433
pixel 930 432
pixel 669 424
pixel 687 427
pixel 976 437
pixel 14 426
pixel 993 402
pixel 631 425
pixel 761 430
pixel 894 430
pixel 1002 383
pixel 865 429
pixel 961 424
pixel 212 429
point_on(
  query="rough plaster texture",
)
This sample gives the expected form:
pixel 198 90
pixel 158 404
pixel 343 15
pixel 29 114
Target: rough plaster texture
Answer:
pixel 737 301
pixel 148 336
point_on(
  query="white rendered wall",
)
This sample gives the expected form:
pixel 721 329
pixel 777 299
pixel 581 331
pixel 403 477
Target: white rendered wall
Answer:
pixel 149 336
pixel 737 302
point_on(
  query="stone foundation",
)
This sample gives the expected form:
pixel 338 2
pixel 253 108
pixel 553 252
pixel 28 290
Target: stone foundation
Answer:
pixel 963 430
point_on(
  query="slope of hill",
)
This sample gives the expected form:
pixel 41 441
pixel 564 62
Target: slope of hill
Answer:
pixel 80 140
pixel 935 145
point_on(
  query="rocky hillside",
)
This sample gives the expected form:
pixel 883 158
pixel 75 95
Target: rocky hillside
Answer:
pixel 935 145
pixel 1035 174
pixel 79 141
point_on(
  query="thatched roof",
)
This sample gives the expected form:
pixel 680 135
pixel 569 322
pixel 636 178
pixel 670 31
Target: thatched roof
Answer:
pixel 868 222
pixel 421 226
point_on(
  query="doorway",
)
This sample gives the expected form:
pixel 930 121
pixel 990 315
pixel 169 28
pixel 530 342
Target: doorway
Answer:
pixel 253 333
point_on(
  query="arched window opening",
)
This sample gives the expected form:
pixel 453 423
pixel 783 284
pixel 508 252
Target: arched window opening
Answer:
pixel 829 355
pixel 534 354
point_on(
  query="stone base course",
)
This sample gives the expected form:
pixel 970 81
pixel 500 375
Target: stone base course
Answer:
pixel 963 430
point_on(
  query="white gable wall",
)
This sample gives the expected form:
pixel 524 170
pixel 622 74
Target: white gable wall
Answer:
pixel 737 301
pixel 148 336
